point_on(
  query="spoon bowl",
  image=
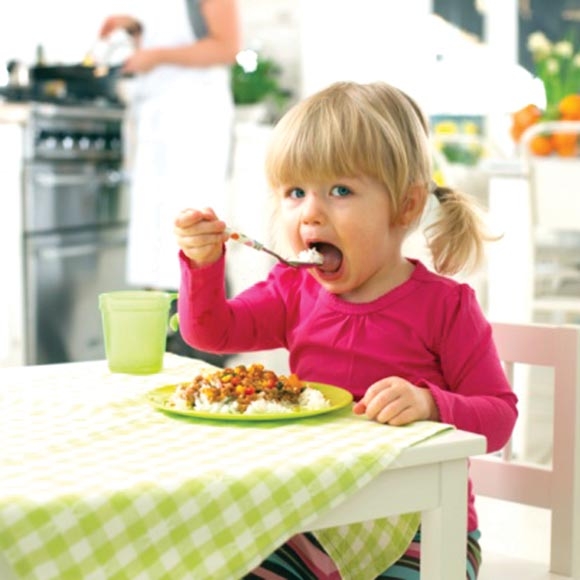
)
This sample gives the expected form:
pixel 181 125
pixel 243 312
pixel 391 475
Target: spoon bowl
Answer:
pixel 251 243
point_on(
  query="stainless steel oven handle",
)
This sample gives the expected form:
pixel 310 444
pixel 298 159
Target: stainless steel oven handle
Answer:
pixel 56 253
pixel 107 178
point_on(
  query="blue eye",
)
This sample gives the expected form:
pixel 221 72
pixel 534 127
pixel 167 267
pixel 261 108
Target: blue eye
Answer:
pixel 296 193
pixel 340 191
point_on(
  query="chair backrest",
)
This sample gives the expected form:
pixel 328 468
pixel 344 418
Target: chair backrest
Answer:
pixel 556 488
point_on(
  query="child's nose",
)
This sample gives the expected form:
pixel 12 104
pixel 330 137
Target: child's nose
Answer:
pixel 312 208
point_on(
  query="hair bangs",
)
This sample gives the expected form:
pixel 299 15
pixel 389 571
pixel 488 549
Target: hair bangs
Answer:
pixel 316 143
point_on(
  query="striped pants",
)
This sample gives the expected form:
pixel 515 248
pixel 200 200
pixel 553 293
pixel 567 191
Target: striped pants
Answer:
pixel 303 558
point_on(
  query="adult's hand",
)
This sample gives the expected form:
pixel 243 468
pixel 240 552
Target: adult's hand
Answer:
pixel 120 21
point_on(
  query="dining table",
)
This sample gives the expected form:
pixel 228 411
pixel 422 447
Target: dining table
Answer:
pixel 97 482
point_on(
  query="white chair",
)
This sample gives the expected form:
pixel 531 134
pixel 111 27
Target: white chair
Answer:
pixel 555 488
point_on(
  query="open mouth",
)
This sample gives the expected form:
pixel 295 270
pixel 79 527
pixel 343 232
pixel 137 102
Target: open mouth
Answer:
pixel 332 257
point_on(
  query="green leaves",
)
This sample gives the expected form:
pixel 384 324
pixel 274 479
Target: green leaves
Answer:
pixel 256 79
pixel 557 66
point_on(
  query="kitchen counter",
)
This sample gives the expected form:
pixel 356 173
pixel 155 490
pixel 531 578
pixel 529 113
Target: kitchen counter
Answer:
pixel 14 112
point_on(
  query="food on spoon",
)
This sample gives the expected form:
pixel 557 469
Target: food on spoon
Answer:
pixel 331 257
pixel 247 391
pixel 310 256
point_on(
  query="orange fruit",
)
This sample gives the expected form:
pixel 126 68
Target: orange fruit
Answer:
pixel 541 145
pixel 516 132
pixel 565 144
pixel 569 107
pixel 524 118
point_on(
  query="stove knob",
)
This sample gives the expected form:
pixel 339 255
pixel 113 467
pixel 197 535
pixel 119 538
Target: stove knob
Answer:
pixel 84 143
pixel 67 142
pixel 99 143
pixel 115 144
pixel 48 143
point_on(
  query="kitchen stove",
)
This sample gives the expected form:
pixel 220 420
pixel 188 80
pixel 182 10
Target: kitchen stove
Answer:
pixel 65 132
pixel 74 225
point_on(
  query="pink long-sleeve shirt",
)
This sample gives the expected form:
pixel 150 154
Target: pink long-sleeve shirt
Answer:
pixel 430 330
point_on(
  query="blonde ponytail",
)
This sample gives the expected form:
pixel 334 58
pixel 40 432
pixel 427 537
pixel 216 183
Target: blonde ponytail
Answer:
pixel 456 238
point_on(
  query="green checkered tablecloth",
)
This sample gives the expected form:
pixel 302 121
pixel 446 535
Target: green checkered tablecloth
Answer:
pixel 96 484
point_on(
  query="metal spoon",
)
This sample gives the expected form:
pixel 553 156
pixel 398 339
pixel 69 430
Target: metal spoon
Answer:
pixel 246 241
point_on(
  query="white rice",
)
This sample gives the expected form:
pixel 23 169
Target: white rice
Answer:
pixel 262 407
pixel 223 407
pixel 311 256
pixel 178 402
pixel 310 400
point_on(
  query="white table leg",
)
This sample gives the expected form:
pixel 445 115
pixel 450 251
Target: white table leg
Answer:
pixel 444 529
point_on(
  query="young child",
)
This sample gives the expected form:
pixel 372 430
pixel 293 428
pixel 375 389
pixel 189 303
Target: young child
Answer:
pixel 350 169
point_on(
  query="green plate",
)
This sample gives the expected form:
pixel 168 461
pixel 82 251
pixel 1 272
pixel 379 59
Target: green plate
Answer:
pixel 338 398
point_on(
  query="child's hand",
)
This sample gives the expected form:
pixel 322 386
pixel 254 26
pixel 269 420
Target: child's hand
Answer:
pixel 200 235
pixel 397 402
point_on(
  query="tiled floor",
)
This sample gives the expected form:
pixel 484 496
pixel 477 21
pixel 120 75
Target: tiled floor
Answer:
pixel 515 541
pixel 514 530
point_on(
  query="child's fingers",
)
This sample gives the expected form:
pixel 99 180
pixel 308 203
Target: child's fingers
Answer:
pixel 189 217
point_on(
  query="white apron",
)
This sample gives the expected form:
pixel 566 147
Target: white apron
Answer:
pixel 183 127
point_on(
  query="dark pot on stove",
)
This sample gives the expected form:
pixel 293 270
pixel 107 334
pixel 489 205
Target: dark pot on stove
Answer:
pixel 77 81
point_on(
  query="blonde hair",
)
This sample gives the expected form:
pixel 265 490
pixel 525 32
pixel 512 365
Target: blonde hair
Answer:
pixel 375 130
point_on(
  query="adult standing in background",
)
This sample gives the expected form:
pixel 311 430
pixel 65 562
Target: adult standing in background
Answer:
pixel 181 109
pixel 181 117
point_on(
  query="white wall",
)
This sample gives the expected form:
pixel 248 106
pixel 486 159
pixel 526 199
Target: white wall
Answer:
pixel 273 27
pixel 66 28
pixel 364 41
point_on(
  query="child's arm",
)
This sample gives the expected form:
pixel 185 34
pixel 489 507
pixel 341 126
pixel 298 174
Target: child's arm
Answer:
pixel 475 394
pixel 253 320
pixel 478 396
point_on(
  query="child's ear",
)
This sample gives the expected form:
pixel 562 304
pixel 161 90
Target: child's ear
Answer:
pixel 413 205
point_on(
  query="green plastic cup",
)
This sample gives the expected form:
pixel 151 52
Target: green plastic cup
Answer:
pixel 135 329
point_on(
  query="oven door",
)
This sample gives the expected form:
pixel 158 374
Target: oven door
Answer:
pixel 73 194
pixel 65 273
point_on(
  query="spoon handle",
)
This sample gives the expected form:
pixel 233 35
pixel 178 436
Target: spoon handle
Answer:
pixel 243 239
